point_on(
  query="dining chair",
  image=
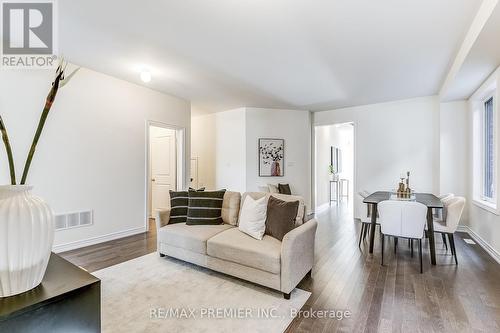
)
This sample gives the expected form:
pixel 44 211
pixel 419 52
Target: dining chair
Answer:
pixel 365 216
pixel 402 219
pixel 446 196
pixel 440 214
pixel 437 213
pixel 447 226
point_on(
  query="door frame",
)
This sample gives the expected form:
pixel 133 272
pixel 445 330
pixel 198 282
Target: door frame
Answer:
pixel 180 153
pixel 313 167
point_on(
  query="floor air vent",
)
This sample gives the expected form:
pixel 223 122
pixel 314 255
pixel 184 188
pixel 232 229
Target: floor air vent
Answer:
pixel 73 220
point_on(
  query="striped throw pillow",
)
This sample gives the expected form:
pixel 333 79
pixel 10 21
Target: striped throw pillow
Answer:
pixel 205 207
pixel 178 207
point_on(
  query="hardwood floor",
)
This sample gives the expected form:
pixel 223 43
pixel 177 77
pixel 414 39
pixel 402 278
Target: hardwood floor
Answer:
pixel 390 298
pixel 95 257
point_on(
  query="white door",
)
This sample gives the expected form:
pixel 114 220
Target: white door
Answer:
pixel 194 173
pixel 163 167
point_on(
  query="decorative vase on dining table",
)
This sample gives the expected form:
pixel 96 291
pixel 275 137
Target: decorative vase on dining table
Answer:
pixel 26 238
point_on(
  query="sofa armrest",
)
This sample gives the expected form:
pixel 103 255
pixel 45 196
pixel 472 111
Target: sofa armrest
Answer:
pixel 297 254
pixel 162 217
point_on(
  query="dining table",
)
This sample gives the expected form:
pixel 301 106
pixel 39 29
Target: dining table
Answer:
pixel 428 199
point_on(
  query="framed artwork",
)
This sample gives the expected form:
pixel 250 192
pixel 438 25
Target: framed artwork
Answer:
pixel 336 159
pixel 271 157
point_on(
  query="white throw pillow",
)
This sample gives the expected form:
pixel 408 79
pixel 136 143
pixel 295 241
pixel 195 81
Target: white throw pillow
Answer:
pixel 264 189
pixel 273 188
pixel 253 217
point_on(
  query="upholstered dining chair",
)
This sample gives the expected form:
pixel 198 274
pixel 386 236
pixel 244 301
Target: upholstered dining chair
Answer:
pixel 446 196
pixel 402 219
pixel 447 226
pixel 365 216
pixel 443 197
pixel 440 214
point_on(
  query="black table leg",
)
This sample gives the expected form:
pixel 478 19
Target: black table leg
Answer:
pixel 430 233
pixel 372 227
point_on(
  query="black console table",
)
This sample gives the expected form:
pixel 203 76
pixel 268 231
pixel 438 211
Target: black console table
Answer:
pixel 67 300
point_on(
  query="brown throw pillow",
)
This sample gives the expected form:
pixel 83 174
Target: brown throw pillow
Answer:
pixel 280 217
pixel 284 189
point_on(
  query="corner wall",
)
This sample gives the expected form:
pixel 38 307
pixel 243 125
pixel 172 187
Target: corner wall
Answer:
pixel 391 138
pixel 230 153
pixel 236 147
pixel 203 148
pixel 455 151
pixel 294 126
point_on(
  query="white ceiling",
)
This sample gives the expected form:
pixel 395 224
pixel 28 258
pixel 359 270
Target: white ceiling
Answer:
pixel 305 54
pixel 482 60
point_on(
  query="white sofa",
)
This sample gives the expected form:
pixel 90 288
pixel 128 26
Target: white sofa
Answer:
pixel 279 265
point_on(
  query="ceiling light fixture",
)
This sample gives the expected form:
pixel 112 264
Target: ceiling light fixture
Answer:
pixel 145 76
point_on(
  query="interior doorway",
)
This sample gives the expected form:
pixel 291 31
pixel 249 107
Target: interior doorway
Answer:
pixel 334 166
pixel 164 165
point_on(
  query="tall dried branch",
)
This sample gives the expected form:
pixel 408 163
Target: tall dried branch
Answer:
pixel 59 81
pixel 6 142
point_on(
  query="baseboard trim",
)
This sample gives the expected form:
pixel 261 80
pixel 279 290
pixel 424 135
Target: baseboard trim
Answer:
pixel 96 240
pixel 479 240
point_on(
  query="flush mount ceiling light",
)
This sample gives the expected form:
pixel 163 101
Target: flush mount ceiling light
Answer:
pixel 145 76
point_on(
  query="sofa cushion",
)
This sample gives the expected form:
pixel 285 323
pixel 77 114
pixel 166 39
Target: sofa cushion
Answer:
pixel 178 206
pixel 284 189
pixel 253 217
pixel 231 207
pixel 190 237
pixel 235 246
pixel 280 217
pixel 263 188
pixel 273 188
pixel 300 213
pixel 205 208
pixel 201 189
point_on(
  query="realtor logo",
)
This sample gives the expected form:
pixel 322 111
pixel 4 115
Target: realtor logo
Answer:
pixel 28 34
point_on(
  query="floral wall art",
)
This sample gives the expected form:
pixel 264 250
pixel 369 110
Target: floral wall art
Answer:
pixel 271 157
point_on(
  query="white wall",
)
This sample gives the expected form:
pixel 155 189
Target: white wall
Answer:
pixel 230 150
pixel 454 147
pixel 92 154
pixel 294 126
pixel 203 147
pixel 454 150
pixel 391 138
pixel 234 152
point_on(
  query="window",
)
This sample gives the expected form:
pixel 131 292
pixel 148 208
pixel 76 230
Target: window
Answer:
pixel 488 190
pixel 485 144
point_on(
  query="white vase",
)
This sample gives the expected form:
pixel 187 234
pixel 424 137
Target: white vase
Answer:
pixel 26 237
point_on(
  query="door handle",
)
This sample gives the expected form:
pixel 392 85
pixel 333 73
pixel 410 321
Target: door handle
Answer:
pixel 153 179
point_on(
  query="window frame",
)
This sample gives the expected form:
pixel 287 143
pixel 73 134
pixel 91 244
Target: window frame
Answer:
pixel 484 100
pixel 478 197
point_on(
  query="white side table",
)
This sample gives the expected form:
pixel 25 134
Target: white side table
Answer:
pixel 337 191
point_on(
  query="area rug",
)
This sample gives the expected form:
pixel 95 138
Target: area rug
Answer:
pixel 153 294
